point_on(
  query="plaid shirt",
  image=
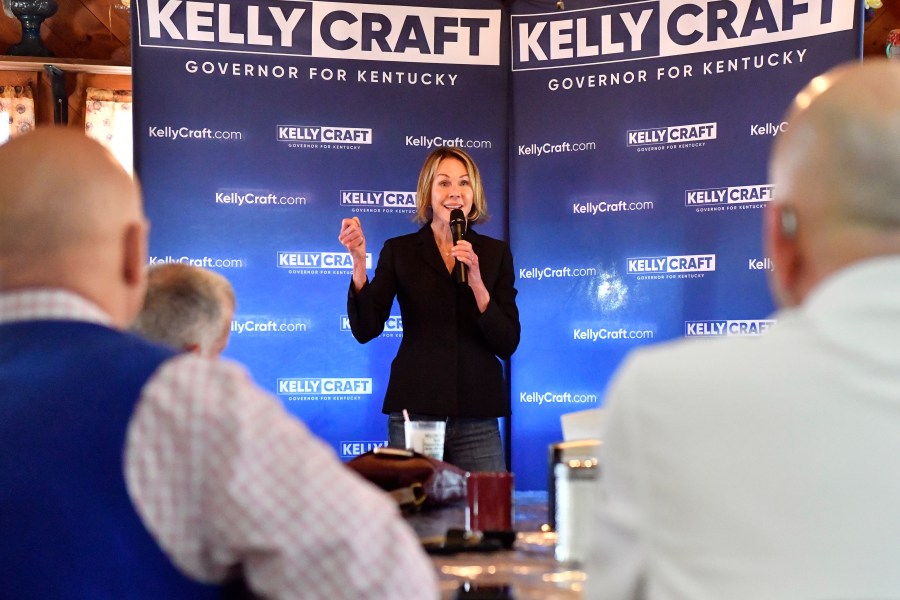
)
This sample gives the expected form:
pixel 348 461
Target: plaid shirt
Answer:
pixel 220 474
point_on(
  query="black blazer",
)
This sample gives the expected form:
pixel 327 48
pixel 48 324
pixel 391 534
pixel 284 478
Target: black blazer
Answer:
pixel 447 362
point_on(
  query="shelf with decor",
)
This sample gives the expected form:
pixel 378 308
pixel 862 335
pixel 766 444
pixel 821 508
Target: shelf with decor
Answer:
pixel 53 60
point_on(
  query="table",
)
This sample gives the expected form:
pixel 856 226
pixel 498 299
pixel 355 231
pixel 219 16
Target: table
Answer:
pixel 530 567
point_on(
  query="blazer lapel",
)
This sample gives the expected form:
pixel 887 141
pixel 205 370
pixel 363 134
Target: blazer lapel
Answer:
pixel 428 249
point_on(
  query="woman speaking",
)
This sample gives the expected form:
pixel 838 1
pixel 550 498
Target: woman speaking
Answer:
pixel 458 305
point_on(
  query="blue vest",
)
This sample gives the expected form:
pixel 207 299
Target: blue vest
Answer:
pixel 68 529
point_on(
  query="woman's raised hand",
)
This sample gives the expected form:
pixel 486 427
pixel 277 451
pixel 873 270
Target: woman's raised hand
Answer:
pixel 352 238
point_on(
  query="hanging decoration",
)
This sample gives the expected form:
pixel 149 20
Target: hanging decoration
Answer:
pixel 893 44
pixel 870 7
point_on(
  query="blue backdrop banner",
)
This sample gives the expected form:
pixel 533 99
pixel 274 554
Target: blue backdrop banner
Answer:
pixel 623 149
pixel 260 125
pixel 640 137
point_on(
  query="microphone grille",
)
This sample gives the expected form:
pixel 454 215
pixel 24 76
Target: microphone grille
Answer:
pixel 457 215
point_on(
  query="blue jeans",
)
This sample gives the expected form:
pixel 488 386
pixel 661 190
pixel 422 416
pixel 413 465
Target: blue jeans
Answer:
pixel 470 444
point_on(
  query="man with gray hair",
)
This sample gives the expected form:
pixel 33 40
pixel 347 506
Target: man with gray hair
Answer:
pixel 749 468
pixel 186 307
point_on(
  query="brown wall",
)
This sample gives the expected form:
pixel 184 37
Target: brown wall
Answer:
pixel 886 18
pixel 86 29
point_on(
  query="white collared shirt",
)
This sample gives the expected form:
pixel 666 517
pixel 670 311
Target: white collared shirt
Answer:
pixel 744 468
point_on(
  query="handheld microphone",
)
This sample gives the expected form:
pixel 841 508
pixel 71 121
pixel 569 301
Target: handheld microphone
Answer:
pixel 458 231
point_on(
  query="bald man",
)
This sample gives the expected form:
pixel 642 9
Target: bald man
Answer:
pixel 751 468
pixel 186 307
pixel 127 471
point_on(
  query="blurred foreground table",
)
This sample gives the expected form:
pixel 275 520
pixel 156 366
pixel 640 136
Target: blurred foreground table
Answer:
pixel 529 568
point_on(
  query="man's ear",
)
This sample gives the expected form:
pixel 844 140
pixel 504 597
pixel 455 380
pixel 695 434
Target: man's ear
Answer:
pixel 135 254
pixel 781 228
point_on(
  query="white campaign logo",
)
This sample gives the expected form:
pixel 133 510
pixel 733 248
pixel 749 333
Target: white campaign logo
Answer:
pixel 355 448
pixel 320 261
pixel 341 30
pixel 324 134
pixel 384 198
pixel 629 31
pixel 673 134
pixel 729 195
pixel 672 264
pixel 727 328
pixel 324 386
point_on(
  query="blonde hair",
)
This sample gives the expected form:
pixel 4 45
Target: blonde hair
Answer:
pixel 479 211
